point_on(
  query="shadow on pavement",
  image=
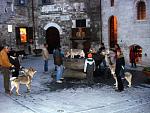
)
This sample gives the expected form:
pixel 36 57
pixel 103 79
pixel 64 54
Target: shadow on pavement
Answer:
pixel 101 78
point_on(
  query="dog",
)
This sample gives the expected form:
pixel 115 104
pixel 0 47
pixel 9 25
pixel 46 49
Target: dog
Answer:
pixel 24 78
pixel 75 52
pixel 127 77
pixel 111 65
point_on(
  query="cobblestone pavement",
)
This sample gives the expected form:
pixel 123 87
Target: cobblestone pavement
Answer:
pixel 75 96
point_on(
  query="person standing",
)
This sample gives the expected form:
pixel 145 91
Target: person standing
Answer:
pixel 5 67
pixel 101 51
pixel 133 57
pixel 45 55
pixel 58 60
pixel 120 64
pixel 29 49
pixel 89 68
pixel 102 48
pixel 14 60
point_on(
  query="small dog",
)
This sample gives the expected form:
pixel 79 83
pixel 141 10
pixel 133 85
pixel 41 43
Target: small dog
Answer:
pixel 25 78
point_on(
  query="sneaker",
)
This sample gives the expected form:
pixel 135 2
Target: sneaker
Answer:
pixel 45 72
pixel 62 78
pixel 59 81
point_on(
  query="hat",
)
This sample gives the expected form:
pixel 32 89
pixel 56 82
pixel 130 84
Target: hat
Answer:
pixel 90 55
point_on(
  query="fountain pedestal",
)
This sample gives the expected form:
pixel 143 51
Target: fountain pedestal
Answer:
pixel 74 68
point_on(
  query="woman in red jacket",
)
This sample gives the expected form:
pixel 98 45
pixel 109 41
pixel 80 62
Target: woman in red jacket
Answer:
pixel 133 57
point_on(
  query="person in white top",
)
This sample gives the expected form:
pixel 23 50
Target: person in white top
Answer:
pixel 89 68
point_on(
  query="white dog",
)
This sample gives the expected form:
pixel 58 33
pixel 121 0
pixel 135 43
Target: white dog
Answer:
pixel 75 52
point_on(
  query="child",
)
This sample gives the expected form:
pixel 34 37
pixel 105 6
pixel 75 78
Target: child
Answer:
pixel 89 68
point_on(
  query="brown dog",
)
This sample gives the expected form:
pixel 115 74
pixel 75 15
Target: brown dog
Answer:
pixel 25 78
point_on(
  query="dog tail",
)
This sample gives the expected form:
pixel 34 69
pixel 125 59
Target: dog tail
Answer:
pixel 12 78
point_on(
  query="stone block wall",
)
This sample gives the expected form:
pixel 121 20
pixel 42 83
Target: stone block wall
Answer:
pixel 130 30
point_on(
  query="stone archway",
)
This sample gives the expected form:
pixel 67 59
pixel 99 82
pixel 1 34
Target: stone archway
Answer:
pixel 113 33
pixel 52 38
pixel 51 24
pixel 53 32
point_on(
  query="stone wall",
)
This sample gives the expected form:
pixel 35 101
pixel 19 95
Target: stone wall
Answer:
pixel 16 15
pixel 62 14
pixel 130 30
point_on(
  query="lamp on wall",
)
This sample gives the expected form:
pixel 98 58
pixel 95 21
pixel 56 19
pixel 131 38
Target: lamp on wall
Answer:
pixel 10 31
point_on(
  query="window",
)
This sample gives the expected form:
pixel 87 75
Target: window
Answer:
pixel 141 10
pixel 47 1
pixel 81 23
pixel 24 35
pixel 112 3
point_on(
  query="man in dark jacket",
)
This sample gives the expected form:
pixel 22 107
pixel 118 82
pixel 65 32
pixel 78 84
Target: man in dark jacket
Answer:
pixel 120 64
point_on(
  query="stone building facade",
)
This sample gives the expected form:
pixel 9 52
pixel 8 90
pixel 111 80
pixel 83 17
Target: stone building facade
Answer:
pixel 69 23
pixel 77 24
pixel 127 22
pixel 14 15
pixel 56 22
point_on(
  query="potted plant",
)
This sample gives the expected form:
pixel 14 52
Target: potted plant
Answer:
pixel 146 71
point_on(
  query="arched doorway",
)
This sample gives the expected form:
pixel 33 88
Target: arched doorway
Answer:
pixel 112 31
pixel 52 38
pixel 137 51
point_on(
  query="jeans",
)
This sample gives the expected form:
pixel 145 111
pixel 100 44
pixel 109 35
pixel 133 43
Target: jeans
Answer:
pixel 6 76
pixel 45 65
pixel 59 72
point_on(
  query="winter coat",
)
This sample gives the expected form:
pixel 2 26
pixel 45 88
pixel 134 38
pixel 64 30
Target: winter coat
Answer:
pixel 45 54
pixel 89 63
pixel 15 62
pixel 4 60
pixel 132 54
pixel 58 58
pixel 16 68
pixel 120 62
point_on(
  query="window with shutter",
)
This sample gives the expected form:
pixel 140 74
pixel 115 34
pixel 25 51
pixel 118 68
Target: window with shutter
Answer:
pixel 141 10
pixel 112 3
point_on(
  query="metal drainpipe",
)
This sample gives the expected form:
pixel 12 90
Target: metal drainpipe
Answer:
pixel 101 29
pixel 33 24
